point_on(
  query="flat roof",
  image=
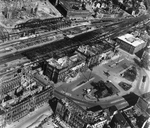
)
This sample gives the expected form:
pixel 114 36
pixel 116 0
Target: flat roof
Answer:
pixel 68 3
pixel 130 39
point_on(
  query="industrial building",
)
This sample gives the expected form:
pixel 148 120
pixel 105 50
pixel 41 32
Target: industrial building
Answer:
pixel 130 43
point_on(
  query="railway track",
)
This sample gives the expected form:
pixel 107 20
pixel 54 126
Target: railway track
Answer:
pixel 46 39
pixel 70 44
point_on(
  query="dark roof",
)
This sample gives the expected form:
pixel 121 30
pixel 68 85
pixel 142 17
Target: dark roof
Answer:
pixel 2 112
pixel 68 3
pixel 121 120
pixel 95 108
pixel 131 98
pixel 7 98
pixel 112 109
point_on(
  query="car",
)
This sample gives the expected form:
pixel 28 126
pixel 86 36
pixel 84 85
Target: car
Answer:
pixel 106 73
pixel 109 81
pixel 125 85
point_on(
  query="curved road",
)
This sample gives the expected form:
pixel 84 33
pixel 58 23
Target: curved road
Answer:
pixel 119 101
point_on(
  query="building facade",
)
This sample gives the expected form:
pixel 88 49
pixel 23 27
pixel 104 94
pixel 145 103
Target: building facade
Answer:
pixel 77 117
pixel 24 107
pixel 72 115
pixel 25 93
pixel 96 53
pixel 130 44
pixel 61 69
pixel 73 9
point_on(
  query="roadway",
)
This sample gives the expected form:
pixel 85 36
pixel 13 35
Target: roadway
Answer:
pixel 110 32
pixel 120 100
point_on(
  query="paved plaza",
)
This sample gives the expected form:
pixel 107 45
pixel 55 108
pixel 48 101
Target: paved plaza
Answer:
pixel 108 70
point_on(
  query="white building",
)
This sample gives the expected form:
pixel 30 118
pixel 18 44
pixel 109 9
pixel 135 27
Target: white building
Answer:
pixel 130 43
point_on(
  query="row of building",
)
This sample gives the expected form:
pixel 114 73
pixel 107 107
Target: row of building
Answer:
pixel 72 9
pixel 77 117
pixel 22 90
pixel 24 85
pixel 36 27
pixel 61 68
pixel 97 117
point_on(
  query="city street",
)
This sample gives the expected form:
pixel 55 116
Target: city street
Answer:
pixel 124 62
pixel 44 43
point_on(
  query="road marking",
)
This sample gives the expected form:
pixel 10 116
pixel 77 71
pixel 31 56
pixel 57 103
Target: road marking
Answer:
pixel 120 60
pixel 82 84
pixel 123 103
pixel 115 101
pixel 117 62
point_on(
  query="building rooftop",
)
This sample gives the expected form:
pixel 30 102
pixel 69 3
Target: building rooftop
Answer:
pixel 135 118
pixel 10 63
pixel 146 124
pixel 130 39
pixel 112 110
pixel 65 61
pixel 87 116
pixel 143 104
pixel 70 4
pixel 94 49
pixel 121 120
pixel 95 108
pixel 146 97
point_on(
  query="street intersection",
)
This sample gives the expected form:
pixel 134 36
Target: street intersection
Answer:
pixel 115 66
